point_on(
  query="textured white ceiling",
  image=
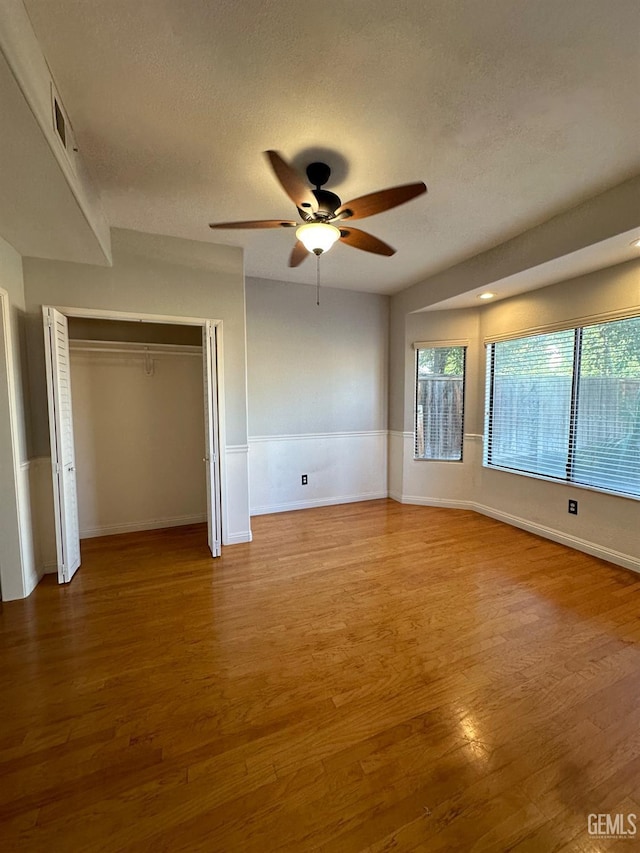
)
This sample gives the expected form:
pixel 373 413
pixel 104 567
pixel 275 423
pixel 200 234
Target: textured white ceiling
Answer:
pixel 510 111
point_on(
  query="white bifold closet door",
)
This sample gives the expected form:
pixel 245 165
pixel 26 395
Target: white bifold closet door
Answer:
pixel 63 463
pixel 212 453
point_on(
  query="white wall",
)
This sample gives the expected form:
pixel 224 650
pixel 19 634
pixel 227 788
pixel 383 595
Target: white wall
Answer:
pixel 11 579
pixel 139 440
pixel 151 274
pixel 606 524
pixel 18 556
pixel 317 379
pixel 11 280
pixel 167 276
pixel 50 207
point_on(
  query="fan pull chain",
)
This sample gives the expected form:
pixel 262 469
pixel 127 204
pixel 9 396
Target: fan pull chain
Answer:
pixel 317 279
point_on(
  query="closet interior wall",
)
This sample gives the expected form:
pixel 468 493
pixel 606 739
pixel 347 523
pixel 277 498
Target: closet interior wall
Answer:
pixel 138 423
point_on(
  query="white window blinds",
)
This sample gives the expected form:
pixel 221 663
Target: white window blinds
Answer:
pixel 439 406
pixel 607 432
pixel 530 403
pixel 566 405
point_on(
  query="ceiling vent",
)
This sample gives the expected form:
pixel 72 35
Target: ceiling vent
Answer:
pixel 62 128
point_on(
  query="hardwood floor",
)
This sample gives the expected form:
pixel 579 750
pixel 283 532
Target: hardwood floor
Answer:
pixel 363 677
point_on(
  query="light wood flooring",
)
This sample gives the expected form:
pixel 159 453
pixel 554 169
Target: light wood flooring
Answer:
pixel 363 677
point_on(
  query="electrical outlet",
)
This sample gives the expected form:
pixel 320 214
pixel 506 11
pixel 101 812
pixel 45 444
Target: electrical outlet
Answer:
pixel 573 507
pixel 305 479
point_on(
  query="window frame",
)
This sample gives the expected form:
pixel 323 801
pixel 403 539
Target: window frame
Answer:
pixel 577 327
pixel 421 345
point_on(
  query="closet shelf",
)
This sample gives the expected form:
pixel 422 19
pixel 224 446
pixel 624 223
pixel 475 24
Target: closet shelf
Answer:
pixel 126 348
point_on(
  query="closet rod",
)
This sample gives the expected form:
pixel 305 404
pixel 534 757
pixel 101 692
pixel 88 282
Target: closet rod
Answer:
pixel 134 349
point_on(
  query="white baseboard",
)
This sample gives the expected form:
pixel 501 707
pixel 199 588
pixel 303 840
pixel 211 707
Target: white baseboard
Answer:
pixel 50 568
pixel 32 579
pixel 332 501
pixel 239 538
pixel 151 524
pixel 591 548
pixel 600 551
pixel 420 501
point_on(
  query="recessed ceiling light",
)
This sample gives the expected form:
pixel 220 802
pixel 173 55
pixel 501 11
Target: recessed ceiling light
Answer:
pixel 636 243
pixel 486 296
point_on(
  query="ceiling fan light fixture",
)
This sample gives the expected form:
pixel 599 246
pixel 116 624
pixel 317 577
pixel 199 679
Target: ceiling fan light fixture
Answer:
pixel 318 237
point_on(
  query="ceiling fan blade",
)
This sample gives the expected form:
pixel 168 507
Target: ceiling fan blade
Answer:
pixel 291 182
pixel 368 205
pixel 298 254
pixel 258 223
pixel 367 242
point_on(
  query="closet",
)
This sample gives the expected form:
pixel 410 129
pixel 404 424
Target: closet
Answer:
pixel 138 417
pixel 131 428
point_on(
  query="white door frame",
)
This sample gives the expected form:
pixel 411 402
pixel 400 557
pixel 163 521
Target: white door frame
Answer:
pixel 212 437
pixel 174 320
pixel 12 577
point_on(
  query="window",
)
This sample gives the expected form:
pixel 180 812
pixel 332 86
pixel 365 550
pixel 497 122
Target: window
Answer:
pixel 439 402
pixel 566 405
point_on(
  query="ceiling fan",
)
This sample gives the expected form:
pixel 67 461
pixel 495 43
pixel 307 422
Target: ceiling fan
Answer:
pixel 323 214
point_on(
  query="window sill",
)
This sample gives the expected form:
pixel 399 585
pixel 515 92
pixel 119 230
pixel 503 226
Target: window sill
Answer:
pixel 570 483
pixel 425 459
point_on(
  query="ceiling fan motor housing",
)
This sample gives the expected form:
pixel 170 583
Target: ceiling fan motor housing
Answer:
pixel 328 203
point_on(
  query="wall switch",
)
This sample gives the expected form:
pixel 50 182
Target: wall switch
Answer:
pixel 305 480
pixel 573 507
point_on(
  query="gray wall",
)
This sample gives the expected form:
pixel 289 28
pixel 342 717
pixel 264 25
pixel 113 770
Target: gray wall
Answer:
pixel 612 289
pixel 318 389
pixel 151 274
pixel 597 219
pixel 434 326
pixel 606 521
pixel 11 280
pixel 315 369
pixel 16 544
